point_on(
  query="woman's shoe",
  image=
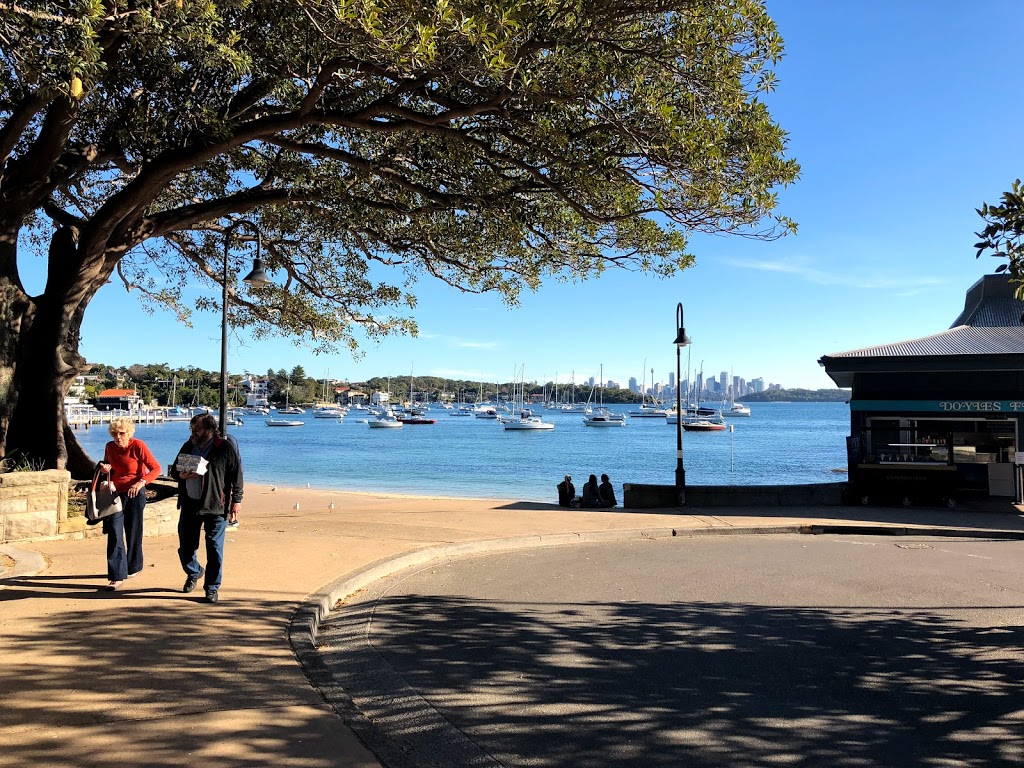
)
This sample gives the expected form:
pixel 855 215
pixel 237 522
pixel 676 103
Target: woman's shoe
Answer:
pixel 113 586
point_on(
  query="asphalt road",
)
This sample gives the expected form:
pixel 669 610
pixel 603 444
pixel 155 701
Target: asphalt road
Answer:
pixel 709 651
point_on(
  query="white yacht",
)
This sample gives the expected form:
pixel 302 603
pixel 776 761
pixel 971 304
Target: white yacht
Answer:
pixel 528 423
pixel 602 417
pixel 386 420
pixel 737 409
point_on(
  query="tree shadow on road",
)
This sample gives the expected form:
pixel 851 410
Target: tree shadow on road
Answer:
pixel 694 684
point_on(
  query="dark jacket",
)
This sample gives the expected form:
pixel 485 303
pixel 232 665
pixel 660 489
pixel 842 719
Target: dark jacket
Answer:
pixel 591 497
pixel 566 493
pixel 222 483
pixel 607 492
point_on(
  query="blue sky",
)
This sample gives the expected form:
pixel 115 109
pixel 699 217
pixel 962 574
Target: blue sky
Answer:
pixel 905 116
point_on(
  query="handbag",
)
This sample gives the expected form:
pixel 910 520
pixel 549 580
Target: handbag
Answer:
pixel 103 499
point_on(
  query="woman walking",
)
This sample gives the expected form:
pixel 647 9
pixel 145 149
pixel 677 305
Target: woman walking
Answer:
pixel 131 465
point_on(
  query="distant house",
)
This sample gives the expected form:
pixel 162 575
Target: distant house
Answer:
pixel 118 399
pixel 352 397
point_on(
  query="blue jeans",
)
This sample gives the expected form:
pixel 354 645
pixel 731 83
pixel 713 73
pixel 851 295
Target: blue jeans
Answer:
pixel 124 538
pixel 189 525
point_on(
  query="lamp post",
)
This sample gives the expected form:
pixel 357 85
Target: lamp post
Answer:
pixel 682 340
pixel 256 277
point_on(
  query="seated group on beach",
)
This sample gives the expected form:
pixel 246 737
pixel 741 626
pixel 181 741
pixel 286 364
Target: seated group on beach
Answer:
pixel 594 495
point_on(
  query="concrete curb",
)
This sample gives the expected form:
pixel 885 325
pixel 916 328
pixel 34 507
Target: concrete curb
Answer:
pixel 305 622
pixel 26 563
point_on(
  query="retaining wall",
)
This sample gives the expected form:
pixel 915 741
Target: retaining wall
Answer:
pixel 637 496
pixel 34 505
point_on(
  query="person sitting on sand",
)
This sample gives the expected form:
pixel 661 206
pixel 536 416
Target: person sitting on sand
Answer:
pixel 566 492
pixel 591 495
pixel 607 492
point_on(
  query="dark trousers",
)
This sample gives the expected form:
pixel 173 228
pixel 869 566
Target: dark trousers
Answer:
pixel 124 538
pixel 189 526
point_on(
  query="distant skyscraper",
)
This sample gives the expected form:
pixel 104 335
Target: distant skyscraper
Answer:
pixel 633 385
pixel 757 385
pixel 590 381
pixel 672 380
pixel 724 382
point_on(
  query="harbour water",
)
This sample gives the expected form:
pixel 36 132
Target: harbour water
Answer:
pixel 782 443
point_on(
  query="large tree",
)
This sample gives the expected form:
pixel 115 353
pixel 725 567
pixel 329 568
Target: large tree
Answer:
pixel 488 145
pixel 1003 235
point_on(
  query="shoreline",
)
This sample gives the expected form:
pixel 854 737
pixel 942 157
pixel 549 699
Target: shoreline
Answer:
pixel 265 488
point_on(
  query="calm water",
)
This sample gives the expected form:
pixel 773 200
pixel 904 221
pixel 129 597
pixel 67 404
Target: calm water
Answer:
pixel 781 443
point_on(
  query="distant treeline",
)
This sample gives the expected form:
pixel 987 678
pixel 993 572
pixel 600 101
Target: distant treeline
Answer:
pixel 194 386
pixel 798 396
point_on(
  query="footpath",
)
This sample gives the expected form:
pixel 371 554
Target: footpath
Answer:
pixel 149 676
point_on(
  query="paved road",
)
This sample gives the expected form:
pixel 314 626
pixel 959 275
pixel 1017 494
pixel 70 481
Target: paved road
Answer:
pixel 795 650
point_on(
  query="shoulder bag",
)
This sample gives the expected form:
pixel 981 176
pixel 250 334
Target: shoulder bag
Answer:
pixel 103 500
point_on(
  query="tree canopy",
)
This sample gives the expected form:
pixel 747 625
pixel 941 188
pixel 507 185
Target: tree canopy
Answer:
pixel 373 142
pixel 1003 235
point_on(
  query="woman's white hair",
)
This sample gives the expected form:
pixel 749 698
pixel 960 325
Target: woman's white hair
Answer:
pixel 121 424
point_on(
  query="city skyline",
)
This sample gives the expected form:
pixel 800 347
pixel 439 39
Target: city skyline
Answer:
pixel 894 164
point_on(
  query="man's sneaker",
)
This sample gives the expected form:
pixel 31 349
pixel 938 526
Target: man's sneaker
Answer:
pixel 191 581
pixel 211 596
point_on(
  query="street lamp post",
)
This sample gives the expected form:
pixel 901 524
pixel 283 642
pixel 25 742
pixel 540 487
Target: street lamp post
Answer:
pixel 256 277
pixel 682 340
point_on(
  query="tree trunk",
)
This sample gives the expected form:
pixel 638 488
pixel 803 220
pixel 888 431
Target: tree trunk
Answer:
pixel 39 360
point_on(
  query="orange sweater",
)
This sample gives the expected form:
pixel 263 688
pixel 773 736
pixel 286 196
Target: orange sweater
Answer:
pixel 131 464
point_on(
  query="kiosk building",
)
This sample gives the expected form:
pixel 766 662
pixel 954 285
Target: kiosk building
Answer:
pixel 940 418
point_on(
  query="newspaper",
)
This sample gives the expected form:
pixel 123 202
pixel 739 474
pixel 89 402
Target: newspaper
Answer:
pixel 187 462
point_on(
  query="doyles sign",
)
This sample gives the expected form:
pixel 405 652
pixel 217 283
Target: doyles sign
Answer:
pixel 1005 407
pixel 982 406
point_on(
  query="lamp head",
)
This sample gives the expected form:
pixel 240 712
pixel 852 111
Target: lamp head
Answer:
pixel 682 340
pixel 258 276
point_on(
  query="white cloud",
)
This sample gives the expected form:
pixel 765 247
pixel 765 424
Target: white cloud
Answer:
pixel 907 285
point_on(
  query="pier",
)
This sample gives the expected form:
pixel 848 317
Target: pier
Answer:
pixel 86 416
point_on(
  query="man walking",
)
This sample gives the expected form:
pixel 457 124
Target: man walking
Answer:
pixel 209 497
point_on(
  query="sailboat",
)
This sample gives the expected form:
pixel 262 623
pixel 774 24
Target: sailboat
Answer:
pixel 292 410
pixel 647 410
pixel 572 406
pixel 601 416
pixel 411 415
pixel 526 421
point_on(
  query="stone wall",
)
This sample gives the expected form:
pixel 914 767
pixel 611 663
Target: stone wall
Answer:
pixel 33 504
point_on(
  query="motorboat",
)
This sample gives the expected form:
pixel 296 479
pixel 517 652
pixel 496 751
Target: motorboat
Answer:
pixel 528 423
pixel 703 426
pixel 648 412
pixel 737 409
pixel 384 421
pixel 604 418
pixel 293 410
pixel 485 413
pixel 695 413
pixel 284 423
pixel 414 419
pixel 328 412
